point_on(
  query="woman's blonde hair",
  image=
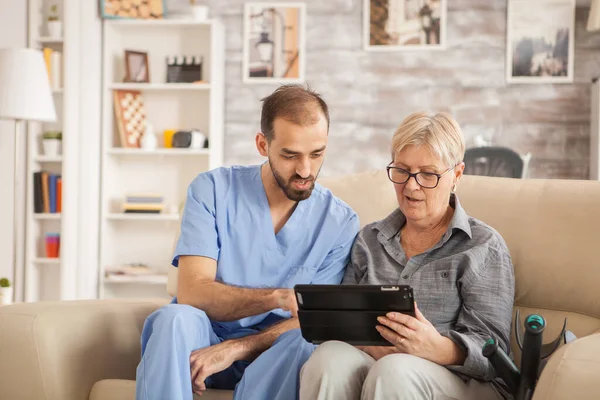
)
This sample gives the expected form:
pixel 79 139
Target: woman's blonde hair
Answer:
pixel 439 132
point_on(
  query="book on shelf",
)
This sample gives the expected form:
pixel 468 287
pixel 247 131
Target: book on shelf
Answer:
pixel 53 59
pixel 156 279
pixel 143 203
pixel 134 273
pixel 129 208
pixel 144 198
pixel 47 192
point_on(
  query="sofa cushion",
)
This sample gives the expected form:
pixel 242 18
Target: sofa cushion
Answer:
pixel 121 389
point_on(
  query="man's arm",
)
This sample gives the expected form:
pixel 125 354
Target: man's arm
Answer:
pixel 212 359
pixel 252 346
pixel 197 287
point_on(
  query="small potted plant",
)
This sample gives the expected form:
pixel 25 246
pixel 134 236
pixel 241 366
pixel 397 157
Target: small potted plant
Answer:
pixel 199 11
pixel 6 292
pixel 52 143
pixel 54 24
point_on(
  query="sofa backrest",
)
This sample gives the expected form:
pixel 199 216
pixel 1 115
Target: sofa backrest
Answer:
pixel 551 228
pixel 552 231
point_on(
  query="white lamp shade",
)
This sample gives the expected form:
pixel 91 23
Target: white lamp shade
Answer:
pixel 25 92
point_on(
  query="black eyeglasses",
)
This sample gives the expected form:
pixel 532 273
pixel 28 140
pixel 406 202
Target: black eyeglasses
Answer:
pixel 427 180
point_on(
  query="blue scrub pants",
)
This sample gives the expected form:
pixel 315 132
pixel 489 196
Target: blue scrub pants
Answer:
pixel 171 333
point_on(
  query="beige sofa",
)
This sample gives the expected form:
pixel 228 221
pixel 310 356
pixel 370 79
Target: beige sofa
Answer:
pixel 89 349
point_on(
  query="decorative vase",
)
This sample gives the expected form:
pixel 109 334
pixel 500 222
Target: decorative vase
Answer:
pixel 6 295
pixel 199 12
pixel 149 140
pixel 55 29
pixel 52 147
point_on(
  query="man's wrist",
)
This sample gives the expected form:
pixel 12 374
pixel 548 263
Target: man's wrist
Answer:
pixel 280 298
pixel 238 348
pixel 273 299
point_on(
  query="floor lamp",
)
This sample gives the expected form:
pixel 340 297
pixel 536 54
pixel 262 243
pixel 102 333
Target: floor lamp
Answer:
pixel 25 95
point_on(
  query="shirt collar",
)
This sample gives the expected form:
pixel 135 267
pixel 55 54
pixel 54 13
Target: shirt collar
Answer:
pixel 460 220
pixel 391 225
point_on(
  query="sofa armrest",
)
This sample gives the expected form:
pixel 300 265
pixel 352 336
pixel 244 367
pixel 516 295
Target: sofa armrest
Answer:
pixel 58 350
pixel 573 372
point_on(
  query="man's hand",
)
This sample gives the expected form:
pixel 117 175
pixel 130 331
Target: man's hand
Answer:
pixel 286 300
pixel 417 336
pixel 378 352
pixel 210 360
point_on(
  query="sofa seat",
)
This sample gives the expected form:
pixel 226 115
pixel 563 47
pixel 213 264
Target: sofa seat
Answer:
pixel 123 389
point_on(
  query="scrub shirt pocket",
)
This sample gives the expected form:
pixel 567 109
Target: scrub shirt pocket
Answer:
pixel 299 275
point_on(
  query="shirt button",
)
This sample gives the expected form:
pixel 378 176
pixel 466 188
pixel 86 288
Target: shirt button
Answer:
pixel 405 277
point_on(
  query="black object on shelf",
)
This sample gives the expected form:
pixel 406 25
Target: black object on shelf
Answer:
pixel 190 139
pixel 534 354
pixel 184 69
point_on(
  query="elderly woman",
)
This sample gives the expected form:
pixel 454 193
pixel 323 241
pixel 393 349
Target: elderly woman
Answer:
pixel 461 272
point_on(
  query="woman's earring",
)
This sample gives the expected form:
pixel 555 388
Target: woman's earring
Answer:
pixel 454 188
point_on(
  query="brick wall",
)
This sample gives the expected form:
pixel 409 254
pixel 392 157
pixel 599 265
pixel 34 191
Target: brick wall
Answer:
pixel 370 93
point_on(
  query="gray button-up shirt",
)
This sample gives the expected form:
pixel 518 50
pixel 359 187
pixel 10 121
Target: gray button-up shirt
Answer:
pixel 464 285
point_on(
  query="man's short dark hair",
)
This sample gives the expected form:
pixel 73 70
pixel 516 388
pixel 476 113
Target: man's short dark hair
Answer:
pixel 294 103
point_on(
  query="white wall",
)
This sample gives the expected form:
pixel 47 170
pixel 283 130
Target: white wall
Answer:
pixel 13 33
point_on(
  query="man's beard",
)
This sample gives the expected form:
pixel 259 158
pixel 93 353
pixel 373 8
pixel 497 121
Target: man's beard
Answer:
pixel 290 192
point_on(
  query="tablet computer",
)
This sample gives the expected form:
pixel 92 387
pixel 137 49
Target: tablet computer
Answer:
pixel 349 312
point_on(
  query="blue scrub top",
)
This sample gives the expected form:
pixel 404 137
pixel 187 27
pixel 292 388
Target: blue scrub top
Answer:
pixel 227 218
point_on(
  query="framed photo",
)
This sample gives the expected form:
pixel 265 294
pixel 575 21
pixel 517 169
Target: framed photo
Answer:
pixel 540 41
pixel 274 37
pixel 400 25
pixel 137 9
pixel 136 66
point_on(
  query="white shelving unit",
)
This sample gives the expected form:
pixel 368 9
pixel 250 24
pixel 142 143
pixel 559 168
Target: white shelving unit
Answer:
pixel 47 216
pixel 119 151
pixel 160 86
pixel 47 261
pixel 48 279
pixel 149 238
pixel 48 39
pixel 47 159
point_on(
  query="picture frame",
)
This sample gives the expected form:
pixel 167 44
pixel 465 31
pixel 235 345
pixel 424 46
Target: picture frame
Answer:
pixel 404 25
pixel 128 9
pixel 274 42
pixel 137 68
pixel 540 45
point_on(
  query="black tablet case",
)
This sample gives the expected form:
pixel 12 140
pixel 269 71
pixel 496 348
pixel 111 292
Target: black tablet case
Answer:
pixel 349 312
